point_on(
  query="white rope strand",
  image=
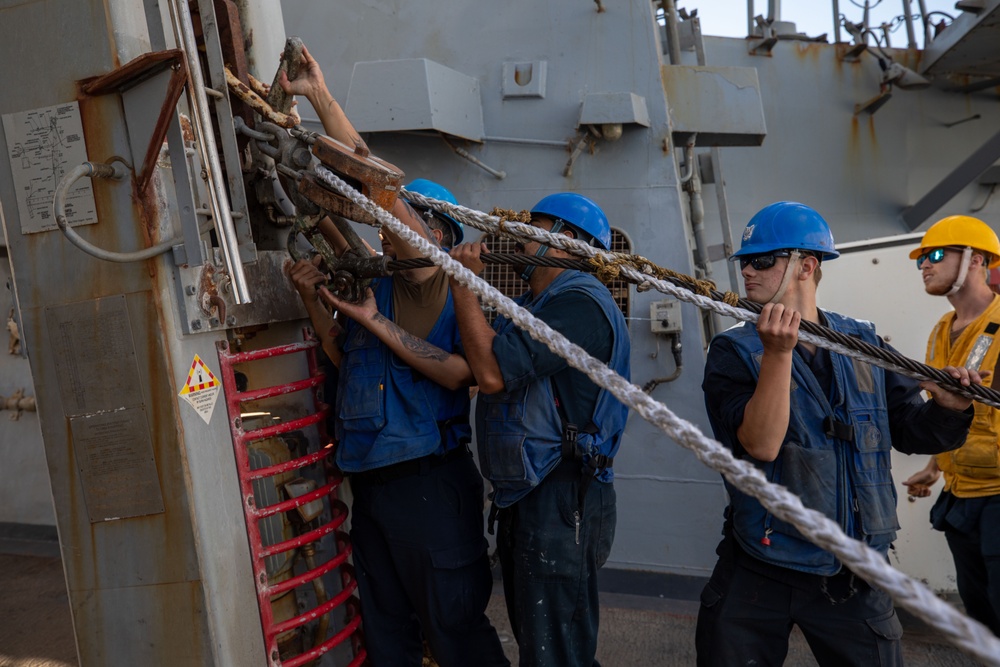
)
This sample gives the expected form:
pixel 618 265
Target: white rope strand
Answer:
pixel 867 563
pixel 492 224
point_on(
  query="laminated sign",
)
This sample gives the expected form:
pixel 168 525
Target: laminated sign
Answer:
pixel 201 389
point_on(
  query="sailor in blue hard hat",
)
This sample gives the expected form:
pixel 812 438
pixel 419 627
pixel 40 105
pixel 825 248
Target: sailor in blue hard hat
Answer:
pixel 580 215
pixel 547 436
pixel 822 425
pixel 452 232
pixel 782 230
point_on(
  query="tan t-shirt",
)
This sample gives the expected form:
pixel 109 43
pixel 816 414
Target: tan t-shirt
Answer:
pixel 417 306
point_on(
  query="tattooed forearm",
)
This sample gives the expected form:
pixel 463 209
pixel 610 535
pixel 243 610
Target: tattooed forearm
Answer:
pixel 417 346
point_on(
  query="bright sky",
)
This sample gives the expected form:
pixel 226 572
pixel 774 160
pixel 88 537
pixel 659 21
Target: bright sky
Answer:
pixel 813 17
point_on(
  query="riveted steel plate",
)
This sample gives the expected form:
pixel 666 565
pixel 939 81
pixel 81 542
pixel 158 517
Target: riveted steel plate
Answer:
pixel 117 470
pixel 95 355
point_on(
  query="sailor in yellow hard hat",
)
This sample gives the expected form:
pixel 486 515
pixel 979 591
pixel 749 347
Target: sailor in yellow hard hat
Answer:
pixel 954 257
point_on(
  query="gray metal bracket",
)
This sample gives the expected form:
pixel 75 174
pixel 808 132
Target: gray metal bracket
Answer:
pixel 207 303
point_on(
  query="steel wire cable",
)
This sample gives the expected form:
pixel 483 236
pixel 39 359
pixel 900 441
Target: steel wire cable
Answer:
pixel 970 635
pixel 898 362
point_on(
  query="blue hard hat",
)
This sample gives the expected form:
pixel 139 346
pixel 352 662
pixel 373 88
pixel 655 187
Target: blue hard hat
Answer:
pixel 787 225
pixel 579 212
pixel 432 190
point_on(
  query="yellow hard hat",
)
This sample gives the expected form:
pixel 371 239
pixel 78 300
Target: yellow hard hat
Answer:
pixel 962 231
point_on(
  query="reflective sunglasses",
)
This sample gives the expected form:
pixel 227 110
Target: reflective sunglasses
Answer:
pixel 934 256
pixel 763 262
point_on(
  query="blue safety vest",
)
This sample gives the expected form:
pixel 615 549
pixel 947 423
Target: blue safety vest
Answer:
pixel 835 457
pixel 388 412
pixel 520 433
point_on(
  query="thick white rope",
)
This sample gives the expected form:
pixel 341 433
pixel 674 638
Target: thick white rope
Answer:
pixel 645 280
pixel 969 635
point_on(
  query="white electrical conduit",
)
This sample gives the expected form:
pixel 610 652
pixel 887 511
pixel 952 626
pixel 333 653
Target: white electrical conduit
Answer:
pixel 969 635
pixel 218 197
pixel 97 170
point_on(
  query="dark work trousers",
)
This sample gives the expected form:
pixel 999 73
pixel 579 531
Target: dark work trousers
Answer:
pixel 972 528
pixel 422 567
pixel 550 581
pixel 747 614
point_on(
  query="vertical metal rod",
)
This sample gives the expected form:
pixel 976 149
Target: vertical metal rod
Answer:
pixel 699 43
pixel 673 34
pixel 750 21
pixel 703 261
pixel 911 37
pixel 864 21
pixel 773 10
pixel 836 21
pixel 928 38
pixel 720 186
pixel 727 229
pixel 218 199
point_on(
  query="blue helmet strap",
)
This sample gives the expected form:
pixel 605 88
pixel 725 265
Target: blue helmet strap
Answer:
pixel 557 226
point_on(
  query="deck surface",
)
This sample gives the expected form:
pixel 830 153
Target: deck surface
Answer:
pixel 36 629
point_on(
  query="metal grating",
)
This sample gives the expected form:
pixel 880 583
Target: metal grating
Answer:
pixel 266 541
pixel 505 279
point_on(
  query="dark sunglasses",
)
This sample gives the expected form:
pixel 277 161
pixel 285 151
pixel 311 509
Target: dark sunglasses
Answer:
pixel 763 262
pixel 934 256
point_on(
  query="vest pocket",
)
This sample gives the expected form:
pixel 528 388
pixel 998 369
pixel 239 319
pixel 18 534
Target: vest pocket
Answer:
pixel 977 458
pixel 810 474
pixel 362 375
pixel 504 460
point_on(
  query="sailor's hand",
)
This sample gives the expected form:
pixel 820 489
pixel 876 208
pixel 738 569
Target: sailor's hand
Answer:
pixel 359 312
pixel 948 399
pixel 919 485
pixel 469 256
pixel 778 327
pixel 306 277
pixel 309 82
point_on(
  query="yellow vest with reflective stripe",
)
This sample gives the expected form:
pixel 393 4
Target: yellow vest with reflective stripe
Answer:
pixel 972 470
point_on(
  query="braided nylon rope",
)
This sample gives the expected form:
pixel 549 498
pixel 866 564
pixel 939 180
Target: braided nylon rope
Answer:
pixel 967 634
pixel 644 280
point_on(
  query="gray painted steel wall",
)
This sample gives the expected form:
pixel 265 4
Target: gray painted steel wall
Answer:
pixel 634 180
pixel 179 579
pixel 25 495
pixel 859 171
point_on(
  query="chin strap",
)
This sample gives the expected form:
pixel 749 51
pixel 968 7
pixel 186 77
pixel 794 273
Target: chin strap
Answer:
pixel 557 225
pixel 793 260
pixel 963 271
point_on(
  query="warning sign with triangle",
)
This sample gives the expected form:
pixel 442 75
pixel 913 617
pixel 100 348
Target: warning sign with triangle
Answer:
pixel 201 390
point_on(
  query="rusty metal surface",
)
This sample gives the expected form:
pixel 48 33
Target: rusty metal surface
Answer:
pixel 133 74
pixel 334 203
pixel 377 179
pixel 208 305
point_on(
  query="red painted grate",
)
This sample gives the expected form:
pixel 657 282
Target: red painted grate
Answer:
pixel 251 479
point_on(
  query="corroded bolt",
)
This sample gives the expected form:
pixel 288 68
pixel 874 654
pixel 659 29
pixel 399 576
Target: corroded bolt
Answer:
pixel 213 322
pixel 196 325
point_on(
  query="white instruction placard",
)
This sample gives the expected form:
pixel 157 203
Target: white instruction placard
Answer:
pixel 42 145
